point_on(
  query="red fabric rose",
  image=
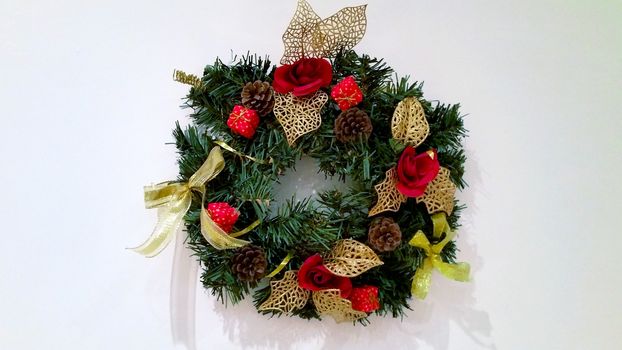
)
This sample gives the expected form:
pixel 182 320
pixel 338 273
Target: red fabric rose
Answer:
pixel 303 77
pixel 315 276
pixel 416 171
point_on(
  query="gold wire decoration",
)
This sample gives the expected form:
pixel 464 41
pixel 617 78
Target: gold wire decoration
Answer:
pixel 307 35
pixel 188 79
pixel 286 295
pixel 350 258
pixel 298 33
pixel 439 195
pixel 329 302
pixel 343 30
pixel 409 124
pixel 389 198
pixel 299 115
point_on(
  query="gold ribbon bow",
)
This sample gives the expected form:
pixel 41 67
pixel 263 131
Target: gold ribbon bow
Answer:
pixel 173 199
pixel 423 275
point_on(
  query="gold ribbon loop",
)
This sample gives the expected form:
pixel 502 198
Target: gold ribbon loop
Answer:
pixel 170 216
pixel 215 236
pixel 159 195
pixel 173 199
pixel 248 229
pixel 236 152
pixel 281 266
pixel 439 225
pixel 423 275
pixel 212 166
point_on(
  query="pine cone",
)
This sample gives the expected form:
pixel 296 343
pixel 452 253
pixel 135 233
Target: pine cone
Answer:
pixel 249 263
pixel 351 124
pixel 384 234
pixel 258 96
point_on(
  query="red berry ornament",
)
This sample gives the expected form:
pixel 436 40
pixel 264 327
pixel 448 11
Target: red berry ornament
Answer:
pixel 243 121
pixel 364 298
pixel 223 215
pixel 346 93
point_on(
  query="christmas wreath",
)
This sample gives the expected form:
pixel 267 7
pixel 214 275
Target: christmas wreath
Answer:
pixel 349 253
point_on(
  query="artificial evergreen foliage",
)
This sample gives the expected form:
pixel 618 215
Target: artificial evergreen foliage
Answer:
pixel 311 226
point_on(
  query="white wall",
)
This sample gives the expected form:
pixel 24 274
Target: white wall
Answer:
pixel 87 103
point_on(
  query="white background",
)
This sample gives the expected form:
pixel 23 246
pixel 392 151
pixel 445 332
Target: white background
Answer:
pixel 87 103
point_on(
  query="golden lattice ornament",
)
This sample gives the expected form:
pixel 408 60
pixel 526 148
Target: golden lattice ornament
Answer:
pixel 439 195
pixel 329 302
pixel 309 36
pixel 299 115
pixel 409 124
pixel 286 295
pixel 350 258
pixel 389 198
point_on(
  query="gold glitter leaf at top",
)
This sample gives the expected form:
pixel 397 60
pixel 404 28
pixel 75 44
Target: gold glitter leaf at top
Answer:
pixel 409 124
pixel 329 302
pixel 389 198
pixel 297 36
pixel 439 194
pixel 343 30
pixel 299 115
pixel 350 258
pixel 309 36
pixel 286 295
pixel 188 79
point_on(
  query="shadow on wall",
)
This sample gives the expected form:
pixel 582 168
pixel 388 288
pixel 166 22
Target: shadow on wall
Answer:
pixel 428 324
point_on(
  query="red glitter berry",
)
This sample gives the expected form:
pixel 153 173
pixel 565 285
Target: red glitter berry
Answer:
pixel 223 215
pixel 243 121
pixel 364 298
pixel 346 93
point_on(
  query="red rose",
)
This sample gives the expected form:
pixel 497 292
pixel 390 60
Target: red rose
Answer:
pixel 415 171
pixel 303 77
pixel 315 276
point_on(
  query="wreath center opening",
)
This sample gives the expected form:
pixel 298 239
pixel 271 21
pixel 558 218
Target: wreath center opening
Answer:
pixel 304 181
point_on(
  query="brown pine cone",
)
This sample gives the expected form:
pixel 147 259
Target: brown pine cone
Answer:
pixel 258 96
pixel 352 124
pixel 384 234
pixel 249 263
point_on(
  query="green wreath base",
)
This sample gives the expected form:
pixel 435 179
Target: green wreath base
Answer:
pixel 311 226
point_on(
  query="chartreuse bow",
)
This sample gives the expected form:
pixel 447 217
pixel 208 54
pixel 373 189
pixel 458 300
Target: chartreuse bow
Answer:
pixel 423 275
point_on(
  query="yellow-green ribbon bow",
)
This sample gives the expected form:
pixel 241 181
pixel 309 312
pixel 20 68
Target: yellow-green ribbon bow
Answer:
pixel 423 275
pixel 173 200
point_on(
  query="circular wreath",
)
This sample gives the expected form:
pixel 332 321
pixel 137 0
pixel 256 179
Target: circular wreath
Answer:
pixel 349 253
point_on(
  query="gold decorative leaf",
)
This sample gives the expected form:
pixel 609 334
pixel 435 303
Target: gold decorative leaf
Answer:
pixel 329 302
pixel 409 124
pixel 350 258
pixel 297 34
pixel 389 198
pixel 343 30
pixel 299 115
pixel 286 295
pixel 439 195
pixel 309 36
